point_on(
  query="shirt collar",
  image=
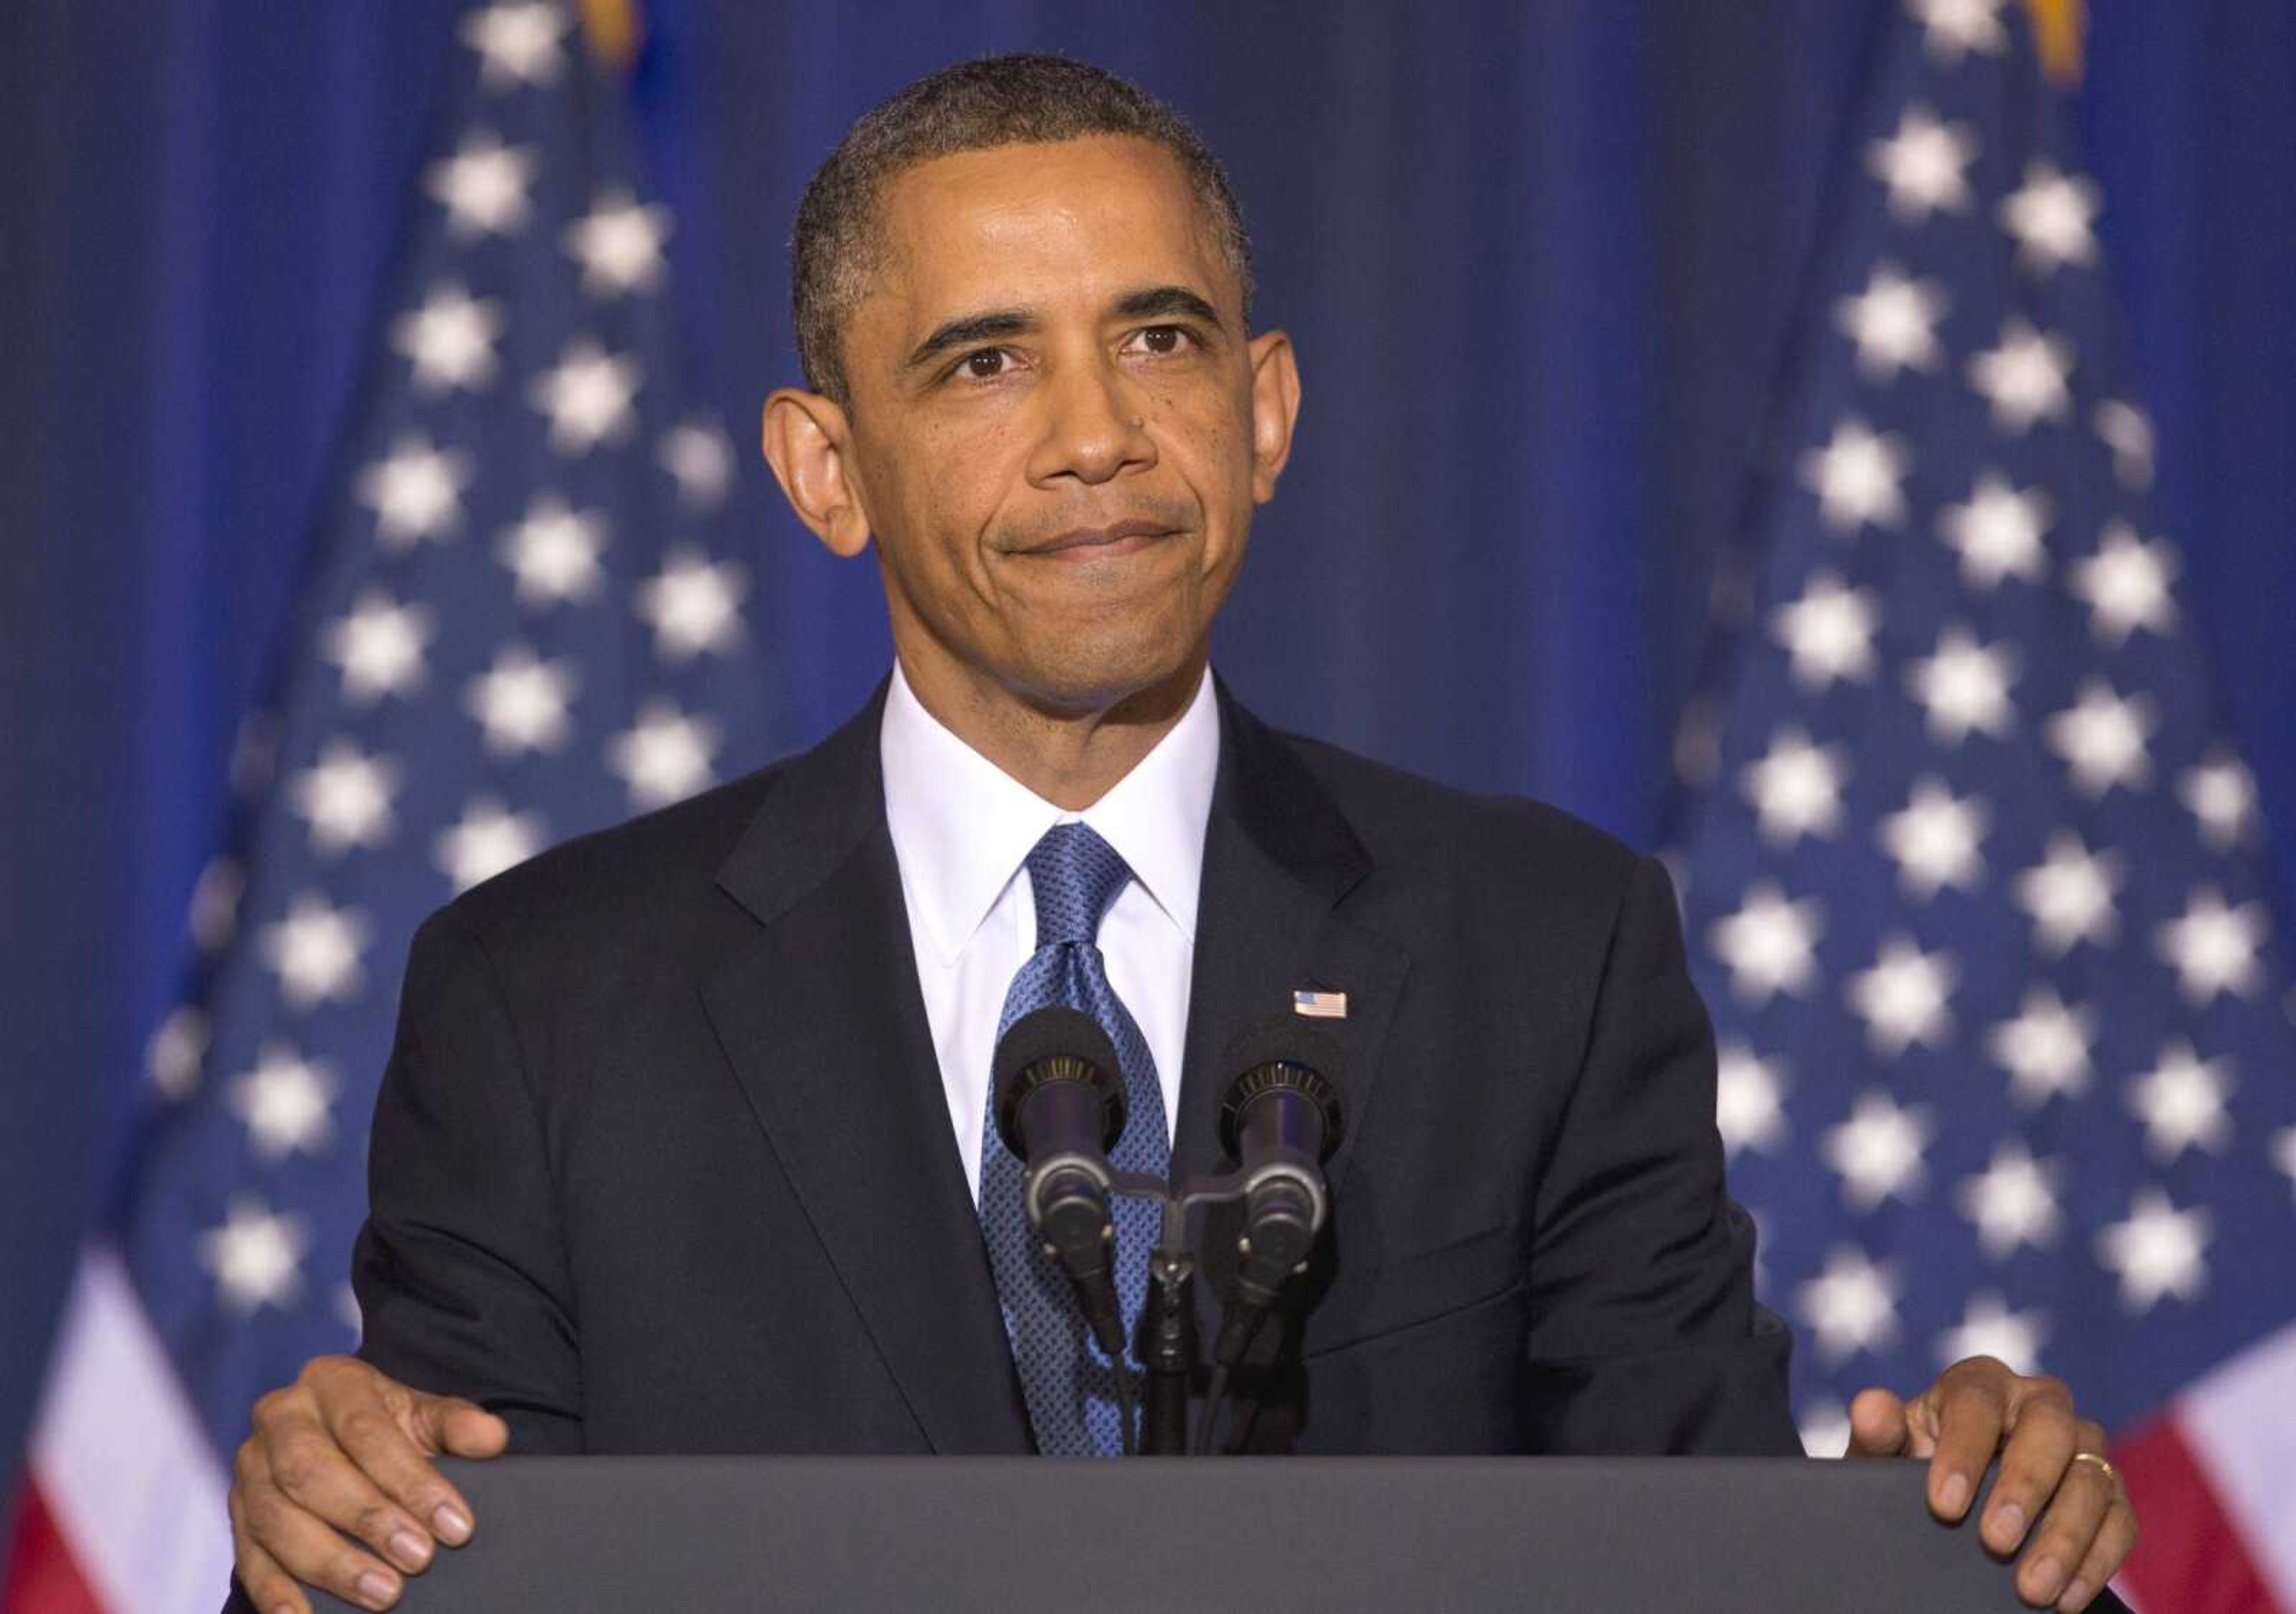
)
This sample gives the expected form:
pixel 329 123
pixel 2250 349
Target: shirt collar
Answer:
pixel 962 827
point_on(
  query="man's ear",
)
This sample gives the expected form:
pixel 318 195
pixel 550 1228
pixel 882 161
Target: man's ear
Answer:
pixel 806 442
pixel 1274 409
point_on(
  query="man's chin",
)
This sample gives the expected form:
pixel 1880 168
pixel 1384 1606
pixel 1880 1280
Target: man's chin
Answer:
pixel 1143 685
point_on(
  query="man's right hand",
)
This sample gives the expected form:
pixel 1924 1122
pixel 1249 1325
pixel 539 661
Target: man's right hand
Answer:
pixel 342 1456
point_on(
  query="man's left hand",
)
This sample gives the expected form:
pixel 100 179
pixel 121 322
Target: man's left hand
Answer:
pixel 1979 1407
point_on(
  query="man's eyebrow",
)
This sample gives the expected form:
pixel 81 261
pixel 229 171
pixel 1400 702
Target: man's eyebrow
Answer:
pixel 965 330
pixel 1154 301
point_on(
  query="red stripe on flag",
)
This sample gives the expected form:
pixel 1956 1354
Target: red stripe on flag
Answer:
pixel 43 1576
pixel 2189 1558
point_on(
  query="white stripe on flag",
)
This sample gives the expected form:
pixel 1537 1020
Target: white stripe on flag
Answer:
pixel 126 1470
pixel 2240 1422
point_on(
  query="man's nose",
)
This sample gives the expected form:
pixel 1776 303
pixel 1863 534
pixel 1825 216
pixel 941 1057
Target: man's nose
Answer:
pixel 1095 426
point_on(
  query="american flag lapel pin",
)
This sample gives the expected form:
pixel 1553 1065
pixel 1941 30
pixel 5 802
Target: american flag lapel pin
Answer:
pixel 1320 1006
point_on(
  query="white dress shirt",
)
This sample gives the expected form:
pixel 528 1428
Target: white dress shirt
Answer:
pixel 963 830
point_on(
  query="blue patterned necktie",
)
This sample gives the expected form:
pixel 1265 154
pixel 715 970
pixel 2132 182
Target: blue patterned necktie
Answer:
pixel 1070 1387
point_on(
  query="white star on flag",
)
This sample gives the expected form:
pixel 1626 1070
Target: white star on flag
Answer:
pixel 315 950
pixel 1770 944
pixel 1877 1152
pixel 664 757
pixel 522 700
pixel 1988 1328
pixel 2045 1049
pixel 449 339
pixel 215 903
pixel 2213 946
pixel 517 42
pixel 1964 687
pixel 345 797
pixel 2284 1153
pixel 1855 477
pixel 416 491
pixel 2220 794
pixel 2181 1101
pixel 379 645
pixel 1924 165
pixel 701 461
pixel 487 839
pixel 2102 737
pixel 1749 1111
pixel 483 187
pixel 2069 895
pixel 2126 584
pixel 1935 840
pixel 1828 632
pixel 1953 28
pixel 256 1256
pixel 2158 1252
pixel 1998 532
pixel 1906 998
pixel 1894 322
pixel 554 553
pixel 1852 1306
pixel 588 397
pixel 2127 431
pixel 619 245
pixel 693 606
pixel 1796 788
pixel 2050 218
pixel 2014 1201
pixel 176 1055
pixel 284 1101
pixel 2024 378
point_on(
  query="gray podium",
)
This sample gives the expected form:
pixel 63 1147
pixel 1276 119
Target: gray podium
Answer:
pixel 1012 1535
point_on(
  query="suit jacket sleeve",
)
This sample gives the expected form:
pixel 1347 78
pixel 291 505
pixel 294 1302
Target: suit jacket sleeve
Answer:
pixel 1646 1335
pixel 460 1270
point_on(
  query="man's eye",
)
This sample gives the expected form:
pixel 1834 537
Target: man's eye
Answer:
pixel 1164 339
pixel 985 366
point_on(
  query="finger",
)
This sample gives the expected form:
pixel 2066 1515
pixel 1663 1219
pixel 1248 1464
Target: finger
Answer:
pixel 2106 1554
pixel 268 1587
pixel 460 1428
pixel 2061 1541
pixel 1878 1425
pixel 312 1470
pixel 376 1423
pixel 305 1547
pixel 2043 1436
pixel 1972 1402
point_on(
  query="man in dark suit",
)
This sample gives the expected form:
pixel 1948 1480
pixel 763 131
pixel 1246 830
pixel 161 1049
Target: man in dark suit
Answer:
pixel 681 1147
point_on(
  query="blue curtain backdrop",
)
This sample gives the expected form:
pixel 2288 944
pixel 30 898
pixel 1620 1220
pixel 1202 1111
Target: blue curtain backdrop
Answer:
pixel 1540 260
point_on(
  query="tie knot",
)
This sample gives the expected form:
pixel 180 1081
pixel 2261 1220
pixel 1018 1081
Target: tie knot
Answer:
pixel 1075 875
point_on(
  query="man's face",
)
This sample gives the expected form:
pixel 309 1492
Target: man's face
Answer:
pixel 1057 427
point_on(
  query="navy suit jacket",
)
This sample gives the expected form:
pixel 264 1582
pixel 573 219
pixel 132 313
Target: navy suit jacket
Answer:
pixel 661 1161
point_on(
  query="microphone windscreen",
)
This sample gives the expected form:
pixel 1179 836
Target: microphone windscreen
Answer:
pixel 1286 1038
pixel 1280 1052
pixel 1058 1048
pixel 1044 1032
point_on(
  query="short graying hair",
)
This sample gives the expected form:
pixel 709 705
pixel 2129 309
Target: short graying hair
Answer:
pixel 1019 99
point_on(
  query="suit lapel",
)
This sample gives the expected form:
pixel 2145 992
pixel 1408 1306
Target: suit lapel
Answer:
pixel 825 1026
pixel 1278 859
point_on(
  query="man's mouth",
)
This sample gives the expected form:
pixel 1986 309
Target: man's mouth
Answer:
pixel 1121 537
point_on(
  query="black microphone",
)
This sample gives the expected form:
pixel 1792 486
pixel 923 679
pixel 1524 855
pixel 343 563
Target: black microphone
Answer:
pixel 1060 1109
pixel 1280 1120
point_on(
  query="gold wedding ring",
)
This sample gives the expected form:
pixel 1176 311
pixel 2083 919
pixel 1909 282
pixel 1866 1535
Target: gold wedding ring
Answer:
pixel 2111 1474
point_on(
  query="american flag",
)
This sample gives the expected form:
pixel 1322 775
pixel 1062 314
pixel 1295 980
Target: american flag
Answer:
pixel 525 619
pixel 1974 878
